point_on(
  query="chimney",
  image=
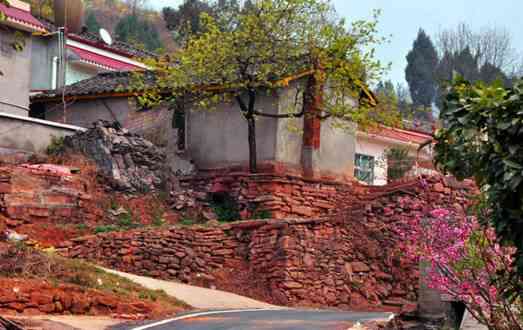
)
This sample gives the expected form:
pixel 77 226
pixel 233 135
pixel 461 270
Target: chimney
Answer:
pixel 69 14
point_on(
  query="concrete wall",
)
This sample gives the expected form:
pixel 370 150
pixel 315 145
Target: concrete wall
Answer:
pixel 84 112
pixel 44 49
pixel 29 134
pixel 290 131
pixel 219 137
pixel 76 72
pixel 337 149
pixel 16 68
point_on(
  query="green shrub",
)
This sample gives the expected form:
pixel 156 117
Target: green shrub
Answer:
pixel 56 147
pixel 262 214
pixel 225 207
pixel 186 222
pixel 105 229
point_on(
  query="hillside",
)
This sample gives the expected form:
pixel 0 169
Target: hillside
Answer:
pixel 109 12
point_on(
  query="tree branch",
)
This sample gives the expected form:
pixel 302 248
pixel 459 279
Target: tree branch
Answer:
pixel 284 115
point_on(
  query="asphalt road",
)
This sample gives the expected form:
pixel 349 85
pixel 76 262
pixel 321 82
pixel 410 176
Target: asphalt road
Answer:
pixel 283 319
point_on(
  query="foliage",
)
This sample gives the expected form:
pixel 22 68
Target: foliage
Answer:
pixel 262 214
pixel 271 41
pixel 92 23
pixel 421 64
pixel 466 261
pixel 134 30
pixel 56 147
pixel 225 207
pixel 466 65
pixel 42 8
pixel 187 222
pixel 481 138
pixel 490 46
pixel 105 229
pixel 399 162
pixel 185 20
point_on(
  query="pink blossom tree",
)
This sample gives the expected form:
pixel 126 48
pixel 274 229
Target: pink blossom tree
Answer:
pixel 466 262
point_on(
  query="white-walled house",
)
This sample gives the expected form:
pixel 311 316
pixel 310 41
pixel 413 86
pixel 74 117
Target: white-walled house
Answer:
pixel 370 163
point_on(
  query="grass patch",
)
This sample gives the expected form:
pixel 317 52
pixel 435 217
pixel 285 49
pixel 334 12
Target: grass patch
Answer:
pixel 186 222
pixel 20 261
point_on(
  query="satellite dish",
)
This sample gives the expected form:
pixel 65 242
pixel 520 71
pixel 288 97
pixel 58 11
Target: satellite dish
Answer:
pixel 106 37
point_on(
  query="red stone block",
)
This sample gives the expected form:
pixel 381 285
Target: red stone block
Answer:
pixel 58 199
pixel 41 212
pixel 5 188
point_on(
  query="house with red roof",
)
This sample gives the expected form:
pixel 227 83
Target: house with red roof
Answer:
pixel 20 134
pixel 371 162
pixel 15 56
pixel 84 55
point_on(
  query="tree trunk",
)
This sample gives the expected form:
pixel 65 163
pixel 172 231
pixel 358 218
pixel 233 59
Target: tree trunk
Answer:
pixel 250 115
pixel 251 122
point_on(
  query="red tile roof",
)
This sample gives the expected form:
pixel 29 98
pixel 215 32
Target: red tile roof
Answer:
pixel 21 17
pixel 401 135
pixel 101 60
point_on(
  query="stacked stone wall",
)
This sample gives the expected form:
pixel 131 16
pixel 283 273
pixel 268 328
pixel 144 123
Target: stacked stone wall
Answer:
pixel 283 196
pixel 35 193
pixel 348 260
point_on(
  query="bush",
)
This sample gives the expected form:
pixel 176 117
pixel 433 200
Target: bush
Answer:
pixel 399 163
pixel 57 147
pixel 225 207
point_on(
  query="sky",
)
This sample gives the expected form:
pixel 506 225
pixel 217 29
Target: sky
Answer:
pixel 401 20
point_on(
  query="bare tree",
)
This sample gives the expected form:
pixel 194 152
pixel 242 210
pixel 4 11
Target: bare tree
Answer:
pixel 490 45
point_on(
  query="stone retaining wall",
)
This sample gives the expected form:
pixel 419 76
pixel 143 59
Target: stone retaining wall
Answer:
pixel 347 260
pixel 283 196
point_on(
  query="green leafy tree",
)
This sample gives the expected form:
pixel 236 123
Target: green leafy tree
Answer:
pixel 133 30
pixel 481 139
pixel 272 40
pixel 185 20
pixel 399 163
pixel 91 23
pixel 421 65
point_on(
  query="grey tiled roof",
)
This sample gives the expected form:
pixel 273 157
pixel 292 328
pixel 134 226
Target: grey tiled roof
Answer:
pixel 102 83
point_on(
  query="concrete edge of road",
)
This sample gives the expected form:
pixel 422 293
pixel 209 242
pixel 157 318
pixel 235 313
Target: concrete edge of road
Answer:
pixel 212 312
pixel 202 313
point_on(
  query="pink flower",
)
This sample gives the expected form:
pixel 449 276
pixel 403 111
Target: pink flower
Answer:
pixel 440 213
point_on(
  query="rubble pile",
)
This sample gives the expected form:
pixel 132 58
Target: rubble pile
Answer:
pixel 130 163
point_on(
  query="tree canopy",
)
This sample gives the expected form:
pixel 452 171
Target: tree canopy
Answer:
pixel 481 138
pixel 273 40
pixel 421 65
pixel 185 20
pixel 92 23
pixel 141 32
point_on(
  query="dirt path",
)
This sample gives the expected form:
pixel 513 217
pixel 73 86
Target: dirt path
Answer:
pixel 196 297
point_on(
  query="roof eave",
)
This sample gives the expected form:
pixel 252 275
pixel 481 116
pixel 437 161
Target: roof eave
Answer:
pixel 21 25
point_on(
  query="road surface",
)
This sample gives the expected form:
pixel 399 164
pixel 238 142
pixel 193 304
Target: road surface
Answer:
pixel 261 319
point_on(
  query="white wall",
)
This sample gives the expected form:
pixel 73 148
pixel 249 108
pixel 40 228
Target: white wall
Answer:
pixel 376 149
pixel 373 146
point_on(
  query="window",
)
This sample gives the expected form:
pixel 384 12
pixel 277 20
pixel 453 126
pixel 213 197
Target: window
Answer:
pixel 364 168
